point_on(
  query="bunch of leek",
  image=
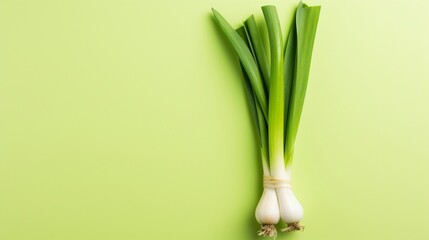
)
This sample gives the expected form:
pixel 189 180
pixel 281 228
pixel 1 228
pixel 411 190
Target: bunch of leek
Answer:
pixel 276 84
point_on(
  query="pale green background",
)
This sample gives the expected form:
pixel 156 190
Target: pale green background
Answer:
pixel 127 119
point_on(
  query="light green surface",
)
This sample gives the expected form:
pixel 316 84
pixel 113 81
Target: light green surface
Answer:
pixel 128 120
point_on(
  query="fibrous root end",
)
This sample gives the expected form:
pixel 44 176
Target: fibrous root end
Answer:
pixel 292 227
pixel 268 230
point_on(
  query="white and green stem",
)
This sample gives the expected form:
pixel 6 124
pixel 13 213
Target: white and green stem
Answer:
pixel 291 211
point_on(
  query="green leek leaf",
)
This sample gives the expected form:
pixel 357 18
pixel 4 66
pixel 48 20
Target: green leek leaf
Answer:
pixel 250 96
pixel 259 49
pixel 246 59
pixel 276 106
pixel 306 26
pixel 289 70
pixel 255 109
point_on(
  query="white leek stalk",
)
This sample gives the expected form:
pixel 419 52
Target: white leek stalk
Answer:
pixel 267 211
pixel 291 211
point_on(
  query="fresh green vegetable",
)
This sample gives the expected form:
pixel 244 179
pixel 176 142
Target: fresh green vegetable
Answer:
pixel 276 90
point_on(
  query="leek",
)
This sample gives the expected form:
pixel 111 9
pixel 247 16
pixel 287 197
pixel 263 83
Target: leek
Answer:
pixel 275 90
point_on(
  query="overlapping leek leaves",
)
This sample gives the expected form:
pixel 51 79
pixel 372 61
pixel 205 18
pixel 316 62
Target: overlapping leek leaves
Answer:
pixel 276 88
pixel 306 25
pixel 255 109
pixel 259 49
pixel 247 61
